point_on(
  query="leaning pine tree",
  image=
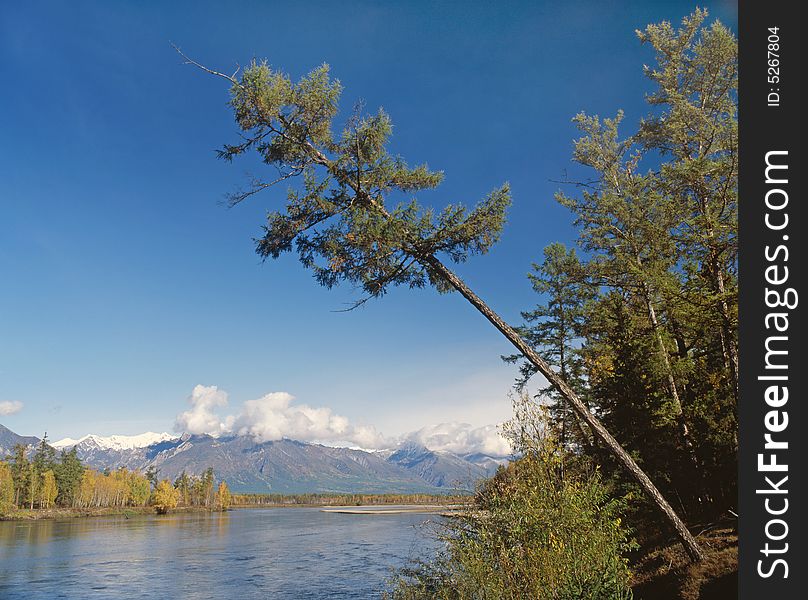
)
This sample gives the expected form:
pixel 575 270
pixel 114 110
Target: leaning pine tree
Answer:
pixel 343 228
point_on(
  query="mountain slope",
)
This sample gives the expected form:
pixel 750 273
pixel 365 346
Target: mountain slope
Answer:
pixel 288 466
pixel 283 466
pixel 441 469
pixel 9 439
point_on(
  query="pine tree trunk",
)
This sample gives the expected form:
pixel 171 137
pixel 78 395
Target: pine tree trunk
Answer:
pixel 432 263
pixel 684 432
pixel 687 539
pixel 727 337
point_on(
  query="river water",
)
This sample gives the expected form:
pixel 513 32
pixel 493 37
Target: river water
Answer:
pixel 283 553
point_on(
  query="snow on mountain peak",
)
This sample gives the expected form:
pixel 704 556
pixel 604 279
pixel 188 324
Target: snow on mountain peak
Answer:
pixel 115 442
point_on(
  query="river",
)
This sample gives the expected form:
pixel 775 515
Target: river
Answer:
pixel 283 553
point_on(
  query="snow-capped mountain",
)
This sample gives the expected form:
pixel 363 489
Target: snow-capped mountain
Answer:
pixel 114 442
pixel 282 466
pixel 438 468
pixel 285 465
pixel 489 463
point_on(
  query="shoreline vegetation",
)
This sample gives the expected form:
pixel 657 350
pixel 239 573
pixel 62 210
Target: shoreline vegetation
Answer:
pixel 337 503
pixel 35 484
pixel 59 513
pixel 43 482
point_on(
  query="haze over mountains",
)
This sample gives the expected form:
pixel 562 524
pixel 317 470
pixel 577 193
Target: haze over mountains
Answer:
pixel 280 466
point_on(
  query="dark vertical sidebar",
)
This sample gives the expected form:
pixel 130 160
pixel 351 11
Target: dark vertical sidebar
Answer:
pixel 773 299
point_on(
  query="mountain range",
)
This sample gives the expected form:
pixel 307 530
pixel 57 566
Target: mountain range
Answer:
pixel 281 466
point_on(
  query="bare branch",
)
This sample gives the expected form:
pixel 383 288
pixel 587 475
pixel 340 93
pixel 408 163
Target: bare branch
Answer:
pixel 188 61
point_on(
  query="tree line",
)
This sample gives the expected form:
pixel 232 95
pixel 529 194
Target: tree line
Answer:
pixel 324 499
pixel 45 481
pixel 642 322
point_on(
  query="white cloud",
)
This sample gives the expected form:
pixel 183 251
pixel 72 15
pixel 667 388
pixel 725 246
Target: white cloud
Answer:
pixel 461 438
pixel 202 418
pixel 273 417
pixel 10 407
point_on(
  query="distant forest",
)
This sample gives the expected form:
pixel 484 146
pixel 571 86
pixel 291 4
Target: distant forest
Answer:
pixel 45 482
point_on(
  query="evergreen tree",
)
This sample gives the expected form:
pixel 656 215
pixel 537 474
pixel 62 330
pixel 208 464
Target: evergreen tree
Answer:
pixel 344 227
pixel 183 485
pixel 626 226
pixel 208 480
pixel 68 473
pixel 21 474
pixel 44 455
pixel 555 330
pixel 152 474
pixel 658 225
pixel 44 461
pixel 696 133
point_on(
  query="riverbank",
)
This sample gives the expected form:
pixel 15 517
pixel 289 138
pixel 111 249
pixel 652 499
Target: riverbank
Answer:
pixel 39 514
pixel 393 510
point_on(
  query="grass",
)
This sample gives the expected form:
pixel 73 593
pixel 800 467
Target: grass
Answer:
pixel 25 514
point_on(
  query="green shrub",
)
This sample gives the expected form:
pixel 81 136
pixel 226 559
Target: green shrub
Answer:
pixel 536 532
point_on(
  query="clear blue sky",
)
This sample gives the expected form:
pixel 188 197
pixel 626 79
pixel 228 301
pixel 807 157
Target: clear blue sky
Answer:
pixel 125 282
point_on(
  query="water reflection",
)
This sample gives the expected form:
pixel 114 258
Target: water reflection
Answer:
pixel 295 553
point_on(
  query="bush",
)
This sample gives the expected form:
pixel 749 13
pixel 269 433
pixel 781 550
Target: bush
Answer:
pixel 535 532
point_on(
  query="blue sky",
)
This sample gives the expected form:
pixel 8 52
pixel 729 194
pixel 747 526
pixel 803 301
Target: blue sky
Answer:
pixel 125 282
